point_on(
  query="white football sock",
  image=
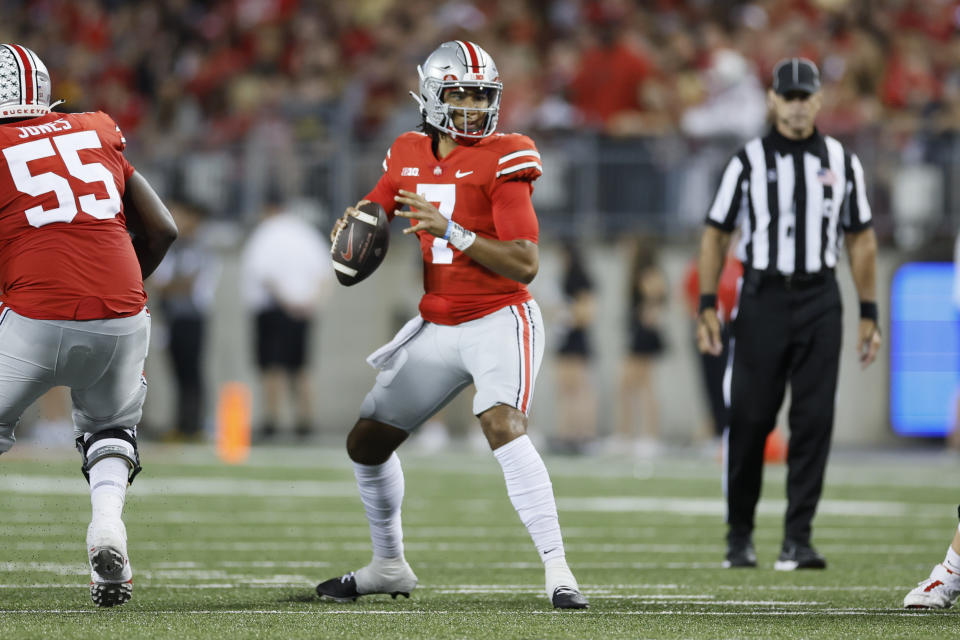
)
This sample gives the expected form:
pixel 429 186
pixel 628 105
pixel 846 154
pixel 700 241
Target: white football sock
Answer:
pixel 558 574
pixel 108 488
pixel 530 491
pixel 952 561
pixel 381 490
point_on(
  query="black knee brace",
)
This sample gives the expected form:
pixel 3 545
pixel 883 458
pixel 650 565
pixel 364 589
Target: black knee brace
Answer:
pixel 130 454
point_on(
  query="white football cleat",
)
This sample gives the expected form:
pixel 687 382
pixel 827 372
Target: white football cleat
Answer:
pixel 111 577
pixel 939 591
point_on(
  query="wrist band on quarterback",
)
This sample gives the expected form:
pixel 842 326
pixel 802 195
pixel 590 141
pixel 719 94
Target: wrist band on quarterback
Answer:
pixel 459 237
pixel 707 301
pixel 868 311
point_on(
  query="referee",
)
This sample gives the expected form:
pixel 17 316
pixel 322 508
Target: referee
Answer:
pixel 798 196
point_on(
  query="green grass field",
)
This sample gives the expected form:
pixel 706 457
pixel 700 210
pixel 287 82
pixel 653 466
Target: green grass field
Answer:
pixel 235 552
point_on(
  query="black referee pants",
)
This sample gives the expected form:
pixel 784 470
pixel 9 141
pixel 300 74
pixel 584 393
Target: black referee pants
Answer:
pixel 186 350
pixel 784 333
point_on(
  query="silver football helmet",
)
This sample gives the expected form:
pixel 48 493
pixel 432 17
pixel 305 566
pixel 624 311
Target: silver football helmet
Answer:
pixel 24 83
pixel 456 64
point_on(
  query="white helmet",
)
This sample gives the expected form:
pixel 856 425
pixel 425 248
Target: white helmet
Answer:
pixel 24 83
pixel 459 63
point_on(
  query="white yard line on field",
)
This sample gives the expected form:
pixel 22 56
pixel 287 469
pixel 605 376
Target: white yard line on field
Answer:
pixel 200 545
pixel 308 527
pixel 717 507
pixel 492 613
pixel 292 490
pixel 599 591
pixel 199 486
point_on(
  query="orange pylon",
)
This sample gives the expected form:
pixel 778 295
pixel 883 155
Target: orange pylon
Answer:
pixel 775 451
pixel 233 423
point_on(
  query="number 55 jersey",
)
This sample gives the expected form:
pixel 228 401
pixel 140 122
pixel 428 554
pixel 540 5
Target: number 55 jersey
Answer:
pixel 65 253
pixel 486 189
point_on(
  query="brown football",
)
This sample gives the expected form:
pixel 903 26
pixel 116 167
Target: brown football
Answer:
pixel 362 244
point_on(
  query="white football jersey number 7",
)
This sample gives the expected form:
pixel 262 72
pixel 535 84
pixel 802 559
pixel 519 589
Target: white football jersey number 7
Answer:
pixel 68 203
pixel 444 196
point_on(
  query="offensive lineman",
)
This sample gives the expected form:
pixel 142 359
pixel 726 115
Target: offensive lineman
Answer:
pixel 72 308
pixel 469 196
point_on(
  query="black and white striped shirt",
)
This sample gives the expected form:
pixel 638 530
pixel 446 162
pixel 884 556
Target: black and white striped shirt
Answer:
pixel 793 200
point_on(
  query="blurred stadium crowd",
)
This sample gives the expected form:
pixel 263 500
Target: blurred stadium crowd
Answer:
pixel 206 71
pixel 278 79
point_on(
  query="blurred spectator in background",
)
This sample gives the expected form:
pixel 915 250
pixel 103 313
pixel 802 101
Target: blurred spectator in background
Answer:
pixel 722 106
pixel 734 104
pixel 712 367
pixel 613 87
pixel 286 276
pixel 576 395
pixel 647 297
pixel 184 286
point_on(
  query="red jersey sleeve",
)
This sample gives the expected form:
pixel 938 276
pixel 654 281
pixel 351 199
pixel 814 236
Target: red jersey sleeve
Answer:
pixel 383 194
pixel 513 213
pixel 520 160
pixel 110 132
pixel 385 189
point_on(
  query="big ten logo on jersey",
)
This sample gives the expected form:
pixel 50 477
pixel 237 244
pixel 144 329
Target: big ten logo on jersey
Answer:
pixel 410 171
pixel 47 127
pixel 66 148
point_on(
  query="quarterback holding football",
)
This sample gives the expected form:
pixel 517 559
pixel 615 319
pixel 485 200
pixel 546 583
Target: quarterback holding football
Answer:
pixel 467 193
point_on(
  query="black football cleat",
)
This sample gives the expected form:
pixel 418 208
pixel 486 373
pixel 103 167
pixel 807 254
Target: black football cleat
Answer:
pixel 740 555
pixel 108 594
pixel 344 589
pixel 568 598
pixel 799 555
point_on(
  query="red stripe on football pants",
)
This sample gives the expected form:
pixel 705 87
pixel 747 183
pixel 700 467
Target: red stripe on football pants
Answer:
pixel 527 358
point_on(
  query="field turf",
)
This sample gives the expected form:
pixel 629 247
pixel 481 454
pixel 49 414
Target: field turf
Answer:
pixel 235 551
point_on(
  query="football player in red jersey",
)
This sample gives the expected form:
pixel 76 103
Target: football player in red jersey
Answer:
pixel 79 230
pixel 468 192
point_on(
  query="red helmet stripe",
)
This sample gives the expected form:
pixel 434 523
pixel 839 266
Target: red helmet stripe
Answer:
pixel 473 58
pixel 29 77
pixel 20 78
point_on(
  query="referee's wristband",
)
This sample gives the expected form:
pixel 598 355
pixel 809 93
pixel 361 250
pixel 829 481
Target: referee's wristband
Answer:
pixel 707 301
pixel 868 311
pixel 459 237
